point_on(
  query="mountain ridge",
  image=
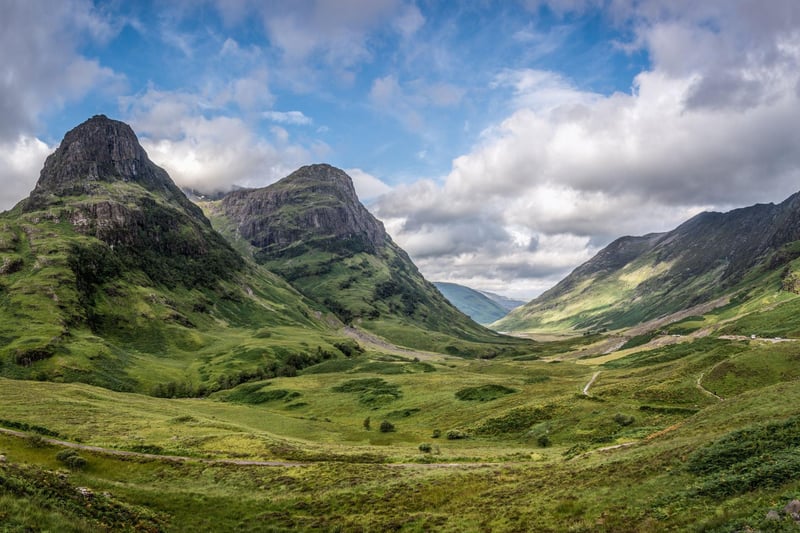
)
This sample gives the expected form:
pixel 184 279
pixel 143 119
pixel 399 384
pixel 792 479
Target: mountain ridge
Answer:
pixel 473 303
pixel 110 275
pixel 310 228
pixel 635 279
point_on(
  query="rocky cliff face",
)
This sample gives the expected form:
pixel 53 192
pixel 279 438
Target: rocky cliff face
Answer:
pixel 101 181
pixel 102 151
pixel 315 205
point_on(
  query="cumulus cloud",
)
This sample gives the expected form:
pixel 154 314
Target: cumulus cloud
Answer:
pixel 712 124
pixel 20 163
pixel 212 152
pixel 367 186
pixel 41 68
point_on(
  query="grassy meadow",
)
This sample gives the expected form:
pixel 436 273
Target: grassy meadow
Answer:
pixel 379 442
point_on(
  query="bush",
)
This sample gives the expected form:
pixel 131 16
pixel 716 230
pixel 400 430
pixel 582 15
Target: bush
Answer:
pixel 436 433
pixel 366 423
pixel 425 447
pixel 623 420
pixel 386 427
pixel 456 434
pixel 543 441
pixel 71 459
pixel 484 393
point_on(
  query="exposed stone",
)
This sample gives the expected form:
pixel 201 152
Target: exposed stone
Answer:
pixel 327 209
pixel 792 507
pixel 773 515
pixel 101 150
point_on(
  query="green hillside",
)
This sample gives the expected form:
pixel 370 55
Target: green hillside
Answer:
pixel 311 229
pixel 636 279
pixel 472 303
pixel 110 276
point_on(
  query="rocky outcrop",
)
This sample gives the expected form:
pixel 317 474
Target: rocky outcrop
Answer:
pixel 316 204
pixel 101 151
pixel 101 181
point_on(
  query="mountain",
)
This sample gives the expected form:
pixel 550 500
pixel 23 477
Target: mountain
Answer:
pixel 504 301
pixel 311 229
pixel 475 304
pixel 635 279
pixel 110 275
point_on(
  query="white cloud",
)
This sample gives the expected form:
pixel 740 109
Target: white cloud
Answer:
pixel 367 186
pixel 41 68
pixel 20 163
pixel 711 125
pixel 296 118
pixel 212 153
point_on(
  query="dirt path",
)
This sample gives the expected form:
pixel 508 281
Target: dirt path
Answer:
pixel 168 458
pixel 705 390
pixel 591 381
pixel 374 341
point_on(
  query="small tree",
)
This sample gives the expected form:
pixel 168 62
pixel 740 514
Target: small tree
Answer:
pixel 386 427
pixel 366 423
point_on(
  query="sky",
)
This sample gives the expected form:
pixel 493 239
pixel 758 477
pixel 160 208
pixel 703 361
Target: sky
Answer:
pixel 501 142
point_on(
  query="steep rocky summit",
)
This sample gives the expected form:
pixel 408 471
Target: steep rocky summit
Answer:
pixel 314 207
pixel 101 181
pixel 311 228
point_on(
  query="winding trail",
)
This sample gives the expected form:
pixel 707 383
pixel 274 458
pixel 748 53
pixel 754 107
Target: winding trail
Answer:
pixel 591 382
pixel 236 462
pixel 705 390
pixel 168 458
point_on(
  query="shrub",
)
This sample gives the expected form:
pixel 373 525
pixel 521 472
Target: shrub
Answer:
pixel 386 427
pixel 543 441
pixel 35 441
pixel 456 434
pixel 484 393
pixel 436 433
pixel 366 423
pixel 425 447
pixel 71 458
pixel 623 420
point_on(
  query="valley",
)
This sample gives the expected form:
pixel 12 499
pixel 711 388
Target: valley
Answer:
pixel 275 362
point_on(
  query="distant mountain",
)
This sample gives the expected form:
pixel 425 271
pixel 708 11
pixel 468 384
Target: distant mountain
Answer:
pixel 311 228
pixel 475 304
pixel 504 301
pixel 635 279
pixel 110 275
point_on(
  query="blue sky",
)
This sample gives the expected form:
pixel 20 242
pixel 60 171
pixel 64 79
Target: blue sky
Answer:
pixel 501 142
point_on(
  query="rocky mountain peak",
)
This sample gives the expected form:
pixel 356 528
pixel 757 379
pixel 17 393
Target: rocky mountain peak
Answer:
pixel 315 205
pixel 100 150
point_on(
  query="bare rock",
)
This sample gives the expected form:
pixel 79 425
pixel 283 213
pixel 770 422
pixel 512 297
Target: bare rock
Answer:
pixel 793 507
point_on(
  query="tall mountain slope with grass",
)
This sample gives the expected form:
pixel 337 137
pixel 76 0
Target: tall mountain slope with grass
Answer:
pixel 472 303
pixel 109 275
pixel 311 228
pixel 635 279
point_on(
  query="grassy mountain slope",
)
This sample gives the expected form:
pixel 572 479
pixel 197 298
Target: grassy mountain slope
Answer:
pixel 310 228
pixel 647 448
pixel 472 303
pixel 635 279
pixel 109 275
